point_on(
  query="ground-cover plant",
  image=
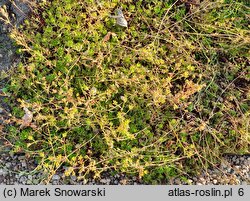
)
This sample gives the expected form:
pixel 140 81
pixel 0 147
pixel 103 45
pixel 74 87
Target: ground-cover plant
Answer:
pixel 166 96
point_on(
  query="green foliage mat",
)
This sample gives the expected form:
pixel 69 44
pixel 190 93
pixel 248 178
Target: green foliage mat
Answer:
pixel 166 96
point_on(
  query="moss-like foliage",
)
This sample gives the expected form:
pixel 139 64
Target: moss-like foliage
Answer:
pixel 166 96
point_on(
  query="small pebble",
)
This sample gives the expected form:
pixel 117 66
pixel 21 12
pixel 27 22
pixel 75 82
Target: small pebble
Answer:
pixel 55 182
pixel 55 177
pixel 8 165
pixel 235 171
pixel 23 179
pixel 24 164
pixel 73 178
pixel 177 181
pixel 202 179
pixel 103 181
pixel 30 177
pixel 242 158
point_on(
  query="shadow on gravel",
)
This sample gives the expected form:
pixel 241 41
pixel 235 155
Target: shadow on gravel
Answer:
pixel 17 12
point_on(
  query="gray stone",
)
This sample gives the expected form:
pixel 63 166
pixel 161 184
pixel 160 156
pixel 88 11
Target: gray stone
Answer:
pixel 56 177
pixel 24 164
pixel 8 165
pixel 23 179
pixel 242 158
pixel 230 170
pixel 55 182
pixel 30 177
pixel 73 178
pixel 202 179
pixel 3 172
pixel 248 161
pixel 104 181
pixel 177 181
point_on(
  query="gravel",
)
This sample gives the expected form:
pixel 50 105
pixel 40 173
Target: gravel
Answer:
pixel 234 170
pixel 19 169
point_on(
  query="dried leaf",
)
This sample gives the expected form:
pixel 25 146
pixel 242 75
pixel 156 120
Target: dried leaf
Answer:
pixel 27 118
pixel 120 19
pixel 1 128
pixel 107 37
